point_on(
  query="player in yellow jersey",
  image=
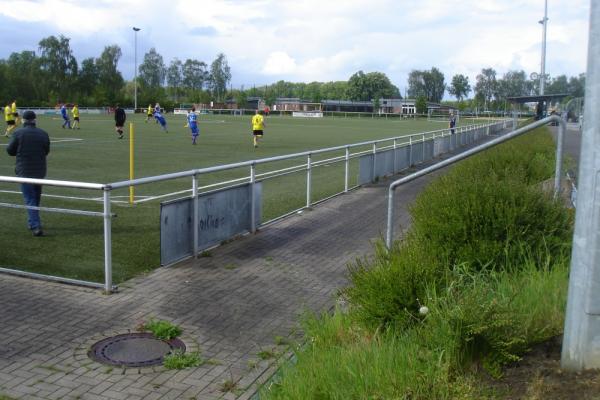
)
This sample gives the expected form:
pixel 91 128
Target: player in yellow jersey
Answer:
pixel 9 117
pixel 258 126
pixel 75 112
pixel 149 112
pixel 15 112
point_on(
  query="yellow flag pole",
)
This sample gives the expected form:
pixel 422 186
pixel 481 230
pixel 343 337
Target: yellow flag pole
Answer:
pixel 131 141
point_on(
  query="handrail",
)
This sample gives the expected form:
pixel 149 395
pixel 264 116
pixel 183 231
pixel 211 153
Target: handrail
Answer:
pixel 217 168
pixel 107 215
pixel 475 150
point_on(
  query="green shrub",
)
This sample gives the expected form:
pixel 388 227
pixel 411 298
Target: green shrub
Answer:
pixel 386 290
pixel 492 317
pixel 484 214
pixel 163 330
pixel 481 222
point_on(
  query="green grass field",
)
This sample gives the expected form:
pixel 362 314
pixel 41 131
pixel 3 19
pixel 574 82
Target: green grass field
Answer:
pixel 73 245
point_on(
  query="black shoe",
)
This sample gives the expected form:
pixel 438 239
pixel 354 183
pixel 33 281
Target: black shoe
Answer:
pixel 120 136
pixel 38 232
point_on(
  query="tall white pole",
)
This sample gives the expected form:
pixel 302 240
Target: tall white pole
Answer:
pixel 544 22
pixel 581 340
pixel 135 31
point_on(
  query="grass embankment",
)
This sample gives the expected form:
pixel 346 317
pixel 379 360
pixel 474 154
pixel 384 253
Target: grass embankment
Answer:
pixel 487 256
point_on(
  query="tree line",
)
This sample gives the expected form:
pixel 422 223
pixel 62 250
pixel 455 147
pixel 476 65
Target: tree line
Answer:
pixel 53 75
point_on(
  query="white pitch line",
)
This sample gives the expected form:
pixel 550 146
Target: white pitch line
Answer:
pixel 56 141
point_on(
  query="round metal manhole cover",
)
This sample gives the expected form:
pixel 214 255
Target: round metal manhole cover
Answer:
pixel 134 350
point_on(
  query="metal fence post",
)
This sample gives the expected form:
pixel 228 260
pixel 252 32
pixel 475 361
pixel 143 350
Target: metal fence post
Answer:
pixel 252 200
pixel 390 217
pixel 195 202
pixel 107 241
pixel 423 148
pixel 308 180
pixel 347 169
pixel 410 148
pixel 581 340
pixel 374 161
pixel 394 150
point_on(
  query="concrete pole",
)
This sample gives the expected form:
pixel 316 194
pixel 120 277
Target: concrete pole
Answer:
pixel 581 341
pixel 544 22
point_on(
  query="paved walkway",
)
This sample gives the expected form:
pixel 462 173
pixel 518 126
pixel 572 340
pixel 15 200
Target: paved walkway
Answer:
pixel 231 305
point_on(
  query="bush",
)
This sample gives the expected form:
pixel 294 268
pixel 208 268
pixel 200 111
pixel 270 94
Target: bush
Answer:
pixel 485 214
pixel 386 290
pixel 480 222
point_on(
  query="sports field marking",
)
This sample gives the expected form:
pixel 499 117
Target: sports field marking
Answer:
pixel 65 140
pixel 94 199
pixel 56 141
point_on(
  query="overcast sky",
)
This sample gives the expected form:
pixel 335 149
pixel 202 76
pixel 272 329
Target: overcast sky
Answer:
pixel 314 40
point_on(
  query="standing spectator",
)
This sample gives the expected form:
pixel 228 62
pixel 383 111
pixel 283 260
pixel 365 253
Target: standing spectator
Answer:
pixel 120 118
pixel 9 117
pixel 452 123
pixel 30 145
pixel 75 112
pixel 65 116
pixel 258 125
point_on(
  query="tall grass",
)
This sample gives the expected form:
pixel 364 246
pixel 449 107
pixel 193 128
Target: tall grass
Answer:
pixel 484 318
pixel 487 255
pixel 475 217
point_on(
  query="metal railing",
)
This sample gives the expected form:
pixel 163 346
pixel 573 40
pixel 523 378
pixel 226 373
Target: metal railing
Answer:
pixel 252 178
pixel 470 152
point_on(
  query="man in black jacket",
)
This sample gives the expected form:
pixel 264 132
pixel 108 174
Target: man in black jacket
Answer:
pixel 119 120
pixel 30 145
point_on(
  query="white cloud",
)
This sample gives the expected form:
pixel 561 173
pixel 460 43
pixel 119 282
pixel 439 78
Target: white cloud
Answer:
pixel 324 40
pixel 279 63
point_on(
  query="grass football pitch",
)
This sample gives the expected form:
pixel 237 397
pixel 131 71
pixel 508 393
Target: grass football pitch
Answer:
pixel 73 245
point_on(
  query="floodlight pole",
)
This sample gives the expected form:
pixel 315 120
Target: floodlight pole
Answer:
pixel 135 31
pixel 544 22
pixel 581 340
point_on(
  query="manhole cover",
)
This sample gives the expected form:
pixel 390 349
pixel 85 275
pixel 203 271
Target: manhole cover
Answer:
pixel 133 350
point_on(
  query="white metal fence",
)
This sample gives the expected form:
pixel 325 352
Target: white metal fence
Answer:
pixel 351 151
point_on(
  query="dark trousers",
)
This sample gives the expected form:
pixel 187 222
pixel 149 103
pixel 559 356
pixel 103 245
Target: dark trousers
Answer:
pixel 32 195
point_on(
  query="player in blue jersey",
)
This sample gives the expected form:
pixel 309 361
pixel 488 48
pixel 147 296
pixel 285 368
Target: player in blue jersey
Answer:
pixel 65 116
pixel 160 119
pixel 192 118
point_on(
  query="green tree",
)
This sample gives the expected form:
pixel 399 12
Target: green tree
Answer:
pixel 576 86
pixel 434 82
pixel 429 84
pixel 175 78
pixel 371 86
pixel 486 85
pixel 558 85
pixel 110 80
pixel 512 84
pixel 220 75
pixel 87 81
pixel 23 76
pixel 459 87
pixel 337 90
pixel 59 67
pixel 152 71
pixel 194 74
pixel 421 105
